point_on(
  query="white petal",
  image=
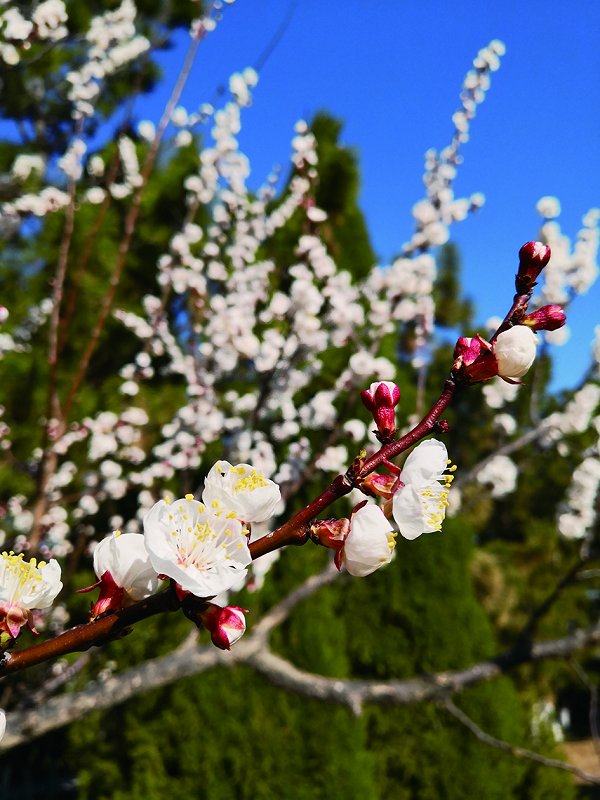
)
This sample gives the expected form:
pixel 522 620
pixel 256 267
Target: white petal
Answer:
pixel 43 593
pixel 242 490
pixel 515 350
pixel 426 462
pixel 369 544
pixel 408 512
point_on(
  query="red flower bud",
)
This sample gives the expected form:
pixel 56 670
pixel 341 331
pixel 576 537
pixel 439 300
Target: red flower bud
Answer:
pixel 546 318
pixel 533 257
pixel 380 399
pixel 379 485
pixel 226 625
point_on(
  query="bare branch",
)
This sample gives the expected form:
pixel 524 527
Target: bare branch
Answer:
pixel 188 661
pixel 517 752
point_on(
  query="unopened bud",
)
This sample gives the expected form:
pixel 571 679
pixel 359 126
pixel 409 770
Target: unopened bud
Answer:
pixel 226 625
pixel 546 318
pixel 3 314
pixel 533 257
pixel 514 351
pixel 380 399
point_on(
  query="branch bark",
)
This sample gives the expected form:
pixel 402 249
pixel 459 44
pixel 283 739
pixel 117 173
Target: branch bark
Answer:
pixel 254 652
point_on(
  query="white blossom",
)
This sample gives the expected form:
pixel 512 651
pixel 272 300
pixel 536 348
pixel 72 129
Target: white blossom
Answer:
pixel 419 505
pixel 501 473
pixel 370 542
pixel 242 490
pixel 125 557
pixel 25 585
pixel 204 553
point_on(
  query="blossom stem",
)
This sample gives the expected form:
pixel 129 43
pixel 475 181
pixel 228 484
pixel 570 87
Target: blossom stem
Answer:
pixel 516 313
pixel 296 530
pixel 98 632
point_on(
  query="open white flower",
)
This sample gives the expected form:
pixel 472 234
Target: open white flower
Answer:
pixel 515 351
pixel 370 542
pixel 25 585
pixel 419 506
pixel 204 553
pixel 125 557
pixel 242 490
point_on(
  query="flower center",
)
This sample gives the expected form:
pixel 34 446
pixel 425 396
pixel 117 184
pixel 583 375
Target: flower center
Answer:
pixel 248 483
pixel 198 544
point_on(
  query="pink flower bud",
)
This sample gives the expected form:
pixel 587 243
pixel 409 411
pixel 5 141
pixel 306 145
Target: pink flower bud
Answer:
pixel 226 625
pixel 3 314
pixel 546 318
pixel 380 399
pixel 533 257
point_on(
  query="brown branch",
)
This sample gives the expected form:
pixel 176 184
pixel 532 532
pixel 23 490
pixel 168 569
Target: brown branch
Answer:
pixel 187 661
pixel 82 637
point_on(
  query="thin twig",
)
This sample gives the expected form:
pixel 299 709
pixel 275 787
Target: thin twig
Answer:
pixel 593 712
pixel 514 750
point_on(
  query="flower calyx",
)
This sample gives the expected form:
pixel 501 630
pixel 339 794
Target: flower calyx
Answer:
pixel 125 573
pixel 473 360
pixel 330 533
pixel 378 485
pixel 380 399
pixel 510 356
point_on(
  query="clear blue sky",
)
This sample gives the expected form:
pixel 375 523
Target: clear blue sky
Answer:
pixel 392 70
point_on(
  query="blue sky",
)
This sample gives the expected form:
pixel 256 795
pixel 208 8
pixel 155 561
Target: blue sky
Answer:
pixel 392 71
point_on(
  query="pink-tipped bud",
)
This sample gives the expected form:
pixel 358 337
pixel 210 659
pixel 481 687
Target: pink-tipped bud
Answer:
pixel 380 399
pixel 467 349
pixel 3 314
pixel 533 257
pixel 546 318
pixel 226 625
